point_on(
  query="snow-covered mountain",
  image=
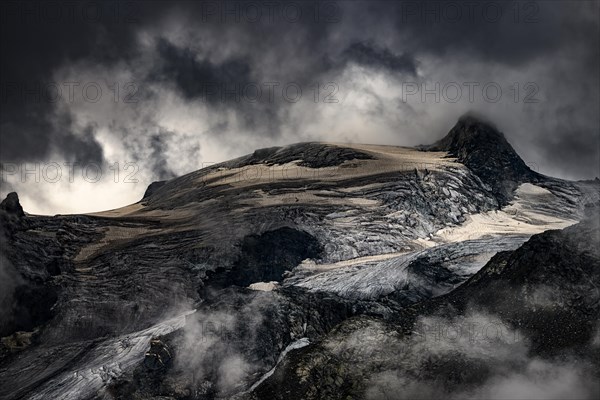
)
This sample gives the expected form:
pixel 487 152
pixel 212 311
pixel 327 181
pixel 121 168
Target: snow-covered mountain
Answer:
pixel 308 272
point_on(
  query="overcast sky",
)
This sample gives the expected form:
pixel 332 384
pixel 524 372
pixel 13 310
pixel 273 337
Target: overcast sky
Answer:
pixel 145 91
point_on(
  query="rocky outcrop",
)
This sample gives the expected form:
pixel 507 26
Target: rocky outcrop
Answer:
pixel 485 151
pixel 312 155
pixel 152 188
pixel 12 206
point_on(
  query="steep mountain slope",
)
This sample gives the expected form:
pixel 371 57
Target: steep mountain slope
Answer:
pixel 529 318
pixel 239 263
pixel 486 152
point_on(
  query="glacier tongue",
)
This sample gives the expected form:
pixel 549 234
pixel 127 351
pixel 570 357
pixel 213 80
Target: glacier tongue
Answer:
pixel 104 361
pixel 450 264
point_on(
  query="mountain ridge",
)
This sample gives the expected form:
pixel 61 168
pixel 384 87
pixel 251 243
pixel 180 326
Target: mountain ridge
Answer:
pixel 473 142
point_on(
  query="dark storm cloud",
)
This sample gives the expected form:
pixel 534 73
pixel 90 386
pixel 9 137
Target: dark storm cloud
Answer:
pixel 158 143
pixel 22 138
pixel 200 78
pixel 35 40
pixel 232 48
pixel 31 137
pixel 573 144
pixel 80 147
pixel 371 55
pixel 509 32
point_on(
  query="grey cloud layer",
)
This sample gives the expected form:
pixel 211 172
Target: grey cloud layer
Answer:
pixel 174 49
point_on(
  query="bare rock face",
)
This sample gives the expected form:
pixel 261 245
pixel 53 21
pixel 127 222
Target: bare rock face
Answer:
pixel 12 206
pixel 152 188
pixel 485 151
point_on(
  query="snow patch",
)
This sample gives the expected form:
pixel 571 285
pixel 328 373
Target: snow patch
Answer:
pixel 298 344
pixel 264 286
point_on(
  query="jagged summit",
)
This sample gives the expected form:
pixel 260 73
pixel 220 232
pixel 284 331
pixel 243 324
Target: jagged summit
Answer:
pixel 483 149
pixel 471 134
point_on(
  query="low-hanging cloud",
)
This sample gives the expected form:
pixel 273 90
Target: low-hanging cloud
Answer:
pixel 213 351
pixel 467 357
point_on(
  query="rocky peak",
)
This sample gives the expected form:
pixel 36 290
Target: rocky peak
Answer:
pixel 481 147
pixel 471 134
pixel 12 205
pixel 152 188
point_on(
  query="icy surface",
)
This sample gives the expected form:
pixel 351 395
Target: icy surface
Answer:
pixel 370 281
pixel 91 369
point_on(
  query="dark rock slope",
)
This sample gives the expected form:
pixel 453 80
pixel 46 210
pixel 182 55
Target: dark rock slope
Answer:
pixel 526 319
